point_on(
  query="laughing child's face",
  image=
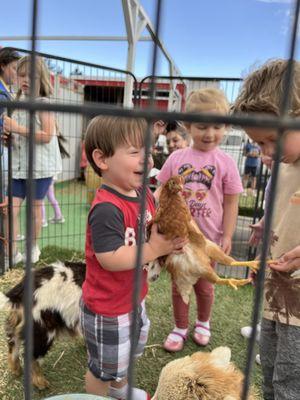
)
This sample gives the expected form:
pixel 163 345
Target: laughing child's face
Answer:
pixel 267 138
pixel 123 171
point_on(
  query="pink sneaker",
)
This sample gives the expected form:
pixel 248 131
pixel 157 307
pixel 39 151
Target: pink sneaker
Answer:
pixel 199 338
pixel 172 345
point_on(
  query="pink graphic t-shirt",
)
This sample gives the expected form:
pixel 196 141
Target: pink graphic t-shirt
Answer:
pixel 212 175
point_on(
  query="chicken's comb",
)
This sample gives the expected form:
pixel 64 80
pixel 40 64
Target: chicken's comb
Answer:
pixel 187 171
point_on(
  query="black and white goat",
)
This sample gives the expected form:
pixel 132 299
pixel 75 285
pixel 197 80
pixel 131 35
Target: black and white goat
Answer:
pixel 56 294
pixel 57 290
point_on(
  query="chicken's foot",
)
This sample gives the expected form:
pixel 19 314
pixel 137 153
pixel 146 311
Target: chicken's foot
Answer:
pixel 253 265
pixel 234 283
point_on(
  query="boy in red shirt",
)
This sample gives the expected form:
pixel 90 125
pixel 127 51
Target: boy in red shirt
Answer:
pixel 114 148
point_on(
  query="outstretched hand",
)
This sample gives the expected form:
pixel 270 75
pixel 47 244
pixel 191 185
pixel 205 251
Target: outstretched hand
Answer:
pixel 290 261
pixel 256 234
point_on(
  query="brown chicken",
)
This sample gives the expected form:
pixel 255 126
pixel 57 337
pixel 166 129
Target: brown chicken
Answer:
pixel 174 220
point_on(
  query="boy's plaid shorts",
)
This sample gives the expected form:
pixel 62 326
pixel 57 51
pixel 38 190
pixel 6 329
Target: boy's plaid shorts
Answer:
pixel 108 341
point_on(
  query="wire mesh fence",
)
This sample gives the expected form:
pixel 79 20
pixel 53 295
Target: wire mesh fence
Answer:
pixel 77 98
pixel 76 83
pixel 171 94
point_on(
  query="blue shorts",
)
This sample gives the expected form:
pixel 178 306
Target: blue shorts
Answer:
pixel 19 188
pixel 250 170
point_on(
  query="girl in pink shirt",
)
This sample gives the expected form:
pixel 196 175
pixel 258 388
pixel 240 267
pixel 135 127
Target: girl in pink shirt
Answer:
pixel 211 191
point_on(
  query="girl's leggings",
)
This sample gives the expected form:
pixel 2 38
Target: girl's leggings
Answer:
pixel 204 292
pixel 52 200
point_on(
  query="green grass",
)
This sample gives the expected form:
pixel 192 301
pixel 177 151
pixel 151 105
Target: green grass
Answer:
pixel 71 196
pixel 247 205
pixel 65 364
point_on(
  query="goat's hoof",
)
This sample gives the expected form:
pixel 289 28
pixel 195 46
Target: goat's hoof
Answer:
pixel 40 382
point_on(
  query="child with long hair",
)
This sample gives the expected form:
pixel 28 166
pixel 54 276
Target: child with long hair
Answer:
pixel 211 190
pixel 47 154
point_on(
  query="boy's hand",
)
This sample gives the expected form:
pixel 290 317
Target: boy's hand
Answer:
pixel 162 246
pixel 288 262
pixel 178 245
pixel 226 244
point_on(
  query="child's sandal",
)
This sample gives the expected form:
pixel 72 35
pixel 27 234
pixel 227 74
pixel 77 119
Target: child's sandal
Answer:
pixel 172 345
pixel 200 338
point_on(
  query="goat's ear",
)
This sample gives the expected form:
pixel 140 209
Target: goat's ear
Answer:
pixel 221 356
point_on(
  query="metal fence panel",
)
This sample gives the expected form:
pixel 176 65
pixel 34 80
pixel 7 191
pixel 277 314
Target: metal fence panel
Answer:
pixel 67 106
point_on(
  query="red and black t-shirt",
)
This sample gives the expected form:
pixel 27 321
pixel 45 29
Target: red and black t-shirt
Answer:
pixel 112 223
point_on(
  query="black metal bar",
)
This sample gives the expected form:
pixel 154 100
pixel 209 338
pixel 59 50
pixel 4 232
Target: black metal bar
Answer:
pixel 10 219
pixel 71 60
pixel 268 217
pixel 9 225
pixel 2 196
pixel 251 250
pixel 191 78
pixel 141 227
pixel 184 78
pixel 253 120
pixel 27 301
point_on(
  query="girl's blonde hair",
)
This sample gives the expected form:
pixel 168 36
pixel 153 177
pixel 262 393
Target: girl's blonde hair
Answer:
pixel 108 133
pixel 42 74
pixel 263 89
pixel 207 99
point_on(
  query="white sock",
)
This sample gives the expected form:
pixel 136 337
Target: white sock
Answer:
pixel 177 338
pixel 201 330
pixel 121 393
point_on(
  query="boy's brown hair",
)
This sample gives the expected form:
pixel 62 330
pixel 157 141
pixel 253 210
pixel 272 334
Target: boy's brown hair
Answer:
pixel 207 99
pixel 262 90
pixel 108 133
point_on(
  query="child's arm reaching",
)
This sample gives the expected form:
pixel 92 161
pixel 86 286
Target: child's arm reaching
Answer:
pixel 124 257
pixel 290 261
pixel 257 232
pixel 231 202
